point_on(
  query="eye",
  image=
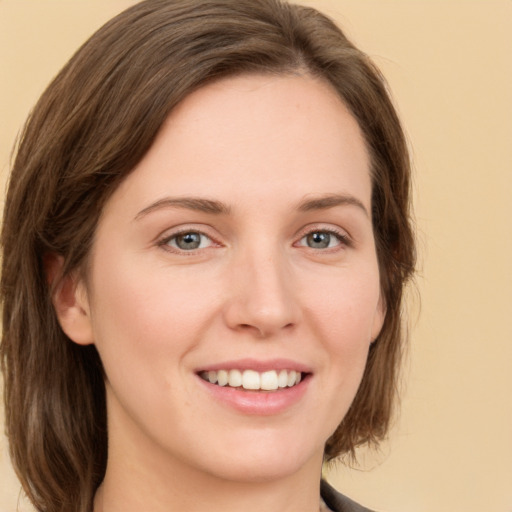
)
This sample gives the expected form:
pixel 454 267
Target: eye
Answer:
pixel 323 239
pixel 188 241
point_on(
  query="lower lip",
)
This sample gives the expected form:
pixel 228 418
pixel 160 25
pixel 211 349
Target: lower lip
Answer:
pixel 262 403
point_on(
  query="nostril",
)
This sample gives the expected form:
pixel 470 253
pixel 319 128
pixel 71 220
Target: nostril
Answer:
pixel 263 330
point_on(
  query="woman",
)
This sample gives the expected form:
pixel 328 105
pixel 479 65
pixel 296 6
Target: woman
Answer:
pixel 205 243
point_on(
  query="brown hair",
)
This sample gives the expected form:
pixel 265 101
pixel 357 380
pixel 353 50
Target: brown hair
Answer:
pixel 90 128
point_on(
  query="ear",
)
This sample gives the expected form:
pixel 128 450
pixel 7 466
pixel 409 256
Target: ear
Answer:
pixel 70 300
pixel 379 317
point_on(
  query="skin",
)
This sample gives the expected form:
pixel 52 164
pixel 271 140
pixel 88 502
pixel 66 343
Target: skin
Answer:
pixel 255 287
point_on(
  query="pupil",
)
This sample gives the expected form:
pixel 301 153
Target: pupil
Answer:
pixel 189 241
pixel 319 240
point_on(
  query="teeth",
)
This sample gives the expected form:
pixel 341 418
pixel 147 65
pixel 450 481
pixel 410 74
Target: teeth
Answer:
pixel 282 380
pixel 222 377
pixel 235 378
pixel 251 379
pixel 269 380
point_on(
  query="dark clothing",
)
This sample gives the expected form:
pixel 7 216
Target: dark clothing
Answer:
pixel 337 502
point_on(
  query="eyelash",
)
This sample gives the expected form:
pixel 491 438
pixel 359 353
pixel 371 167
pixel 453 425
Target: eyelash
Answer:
pixel 165 242
pixel 343 239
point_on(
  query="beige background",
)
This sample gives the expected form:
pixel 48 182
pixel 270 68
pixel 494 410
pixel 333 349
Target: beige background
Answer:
pixel 449 64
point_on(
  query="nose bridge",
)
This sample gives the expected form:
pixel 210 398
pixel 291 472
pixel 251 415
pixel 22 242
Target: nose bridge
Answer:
pixel 263 298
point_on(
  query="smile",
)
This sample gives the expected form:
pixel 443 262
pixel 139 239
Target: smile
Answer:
pixel 252 380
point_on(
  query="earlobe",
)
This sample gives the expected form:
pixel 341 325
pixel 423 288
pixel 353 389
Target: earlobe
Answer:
pixel 70 300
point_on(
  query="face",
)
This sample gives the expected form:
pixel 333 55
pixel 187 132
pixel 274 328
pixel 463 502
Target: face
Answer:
pixel 233 290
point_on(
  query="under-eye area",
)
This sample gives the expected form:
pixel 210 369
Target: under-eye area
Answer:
pixel 272 380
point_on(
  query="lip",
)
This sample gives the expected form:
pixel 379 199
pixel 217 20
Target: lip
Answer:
pixel 257 365
pixel 257 403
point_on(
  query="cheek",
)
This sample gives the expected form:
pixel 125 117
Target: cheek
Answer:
pixel 345 304
pixel 148 321
pixel 344 313
pixel 145 313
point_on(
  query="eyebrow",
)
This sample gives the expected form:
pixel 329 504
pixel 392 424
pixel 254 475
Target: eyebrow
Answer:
pixel 330 201
pixel 189 203
pixel 212 206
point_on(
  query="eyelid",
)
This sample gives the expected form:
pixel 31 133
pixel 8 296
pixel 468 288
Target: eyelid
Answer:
pixel 163 239
pixel 342 235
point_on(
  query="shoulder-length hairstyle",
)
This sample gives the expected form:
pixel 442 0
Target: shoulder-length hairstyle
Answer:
pixel 90 128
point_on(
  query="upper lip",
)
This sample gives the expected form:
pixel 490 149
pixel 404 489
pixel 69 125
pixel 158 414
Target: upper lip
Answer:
pixel 258 365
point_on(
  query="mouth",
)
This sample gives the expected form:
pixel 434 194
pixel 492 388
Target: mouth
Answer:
pixel 252 380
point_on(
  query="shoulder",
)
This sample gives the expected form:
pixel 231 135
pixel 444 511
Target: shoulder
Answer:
pixel 337 502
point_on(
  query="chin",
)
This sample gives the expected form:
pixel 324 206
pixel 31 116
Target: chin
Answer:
pixel 251 471
pixel 259 462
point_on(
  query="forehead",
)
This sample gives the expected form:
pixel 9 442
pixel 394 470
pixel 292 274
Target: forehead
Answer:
pixel 271 137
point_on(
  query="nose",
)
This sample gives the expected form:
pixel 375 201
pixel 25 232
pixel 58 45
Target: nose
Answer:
pixel 263 298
